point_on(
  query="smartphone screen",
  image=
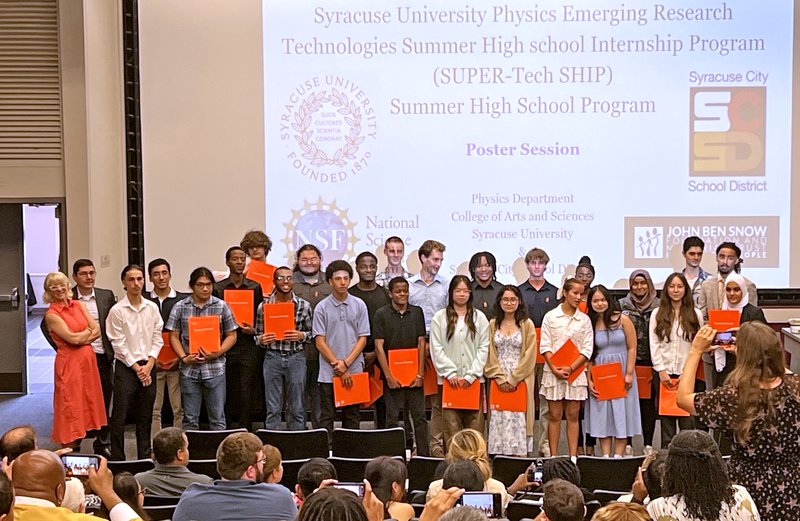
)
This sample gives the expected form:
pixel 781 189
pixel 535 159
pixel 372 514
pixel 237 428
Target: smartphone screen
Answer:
pixel 78 464
pixel 355 488
pixel 486 502
pixel 724 338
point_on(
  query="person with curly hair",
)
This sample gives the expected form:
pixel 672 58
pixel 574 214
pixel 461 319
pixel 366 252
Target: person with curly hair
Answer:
pixel 621 512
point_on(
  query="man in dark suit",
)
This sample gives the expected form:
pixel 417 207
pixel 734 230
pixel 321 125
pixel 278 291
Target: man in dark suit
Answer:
pixel 98 301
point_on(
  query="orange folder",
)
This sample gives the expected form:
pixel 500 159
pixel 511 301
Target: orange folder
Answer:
pixel 404 365
pixel 539 358
pixel 167 354
pixel 375 385
pixel 608 381
pixel 516 400
pixel 644 381
pixel 668 401
pixel 565 356
pixel 430 382
pixel 204 332
pixel 458 398
pixel 241 303
pixel 723 319
pixel 357 394
pixel 278 318
pixel 262 273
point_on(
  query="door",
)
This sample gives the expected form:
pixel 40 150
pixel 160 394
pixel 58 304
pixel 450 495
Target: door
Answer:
pixel 12 300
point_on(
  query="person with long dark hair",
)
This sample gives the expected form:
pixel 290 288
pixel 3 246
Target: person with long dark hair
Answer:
pixel 131 493
pixel 512 353
pixel 673 325
pixel 759 408
pixel 388 479
pixel 697 487
pixel 459 348
pixel 614 343
pixel 565 322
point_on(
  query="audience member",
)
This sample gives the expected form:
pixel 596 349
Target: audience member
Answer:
pixel 16 441
pixel 562 501
pixel 695 275
pixel 6 498
pixel 759 408
pixel 170 477
pixel 241 493
pixel 510 361
pixel 311 475
pixel 696 484
pixel 273 464
pixel 131 493
pixel 485 288
pixel 464 513
pixel 78 395
pixel 394 249
pixel 464 474
pixel 647 485
pixel 75 496
pixel 134 327
pixel 387 477
pixel 621 512
pixel 333 504
pixel 443 502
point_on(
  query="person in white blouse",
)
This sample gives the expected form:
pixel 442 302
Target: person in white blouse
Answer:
pixel 673 325
pixel 565 322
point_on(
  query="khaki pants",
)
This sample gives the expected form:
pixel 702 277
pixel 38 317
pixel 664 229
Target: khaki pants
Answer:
pixel 454 420
pixel 544 414
pixel 172 381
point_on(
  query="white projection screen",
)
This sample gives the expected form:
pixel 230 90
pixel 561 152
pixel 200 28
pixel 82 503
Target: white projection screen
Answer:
pixel 595 127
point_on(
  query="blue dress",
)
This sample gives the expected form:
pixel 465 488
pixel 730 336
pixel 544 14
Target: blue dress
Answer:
pixel 620 417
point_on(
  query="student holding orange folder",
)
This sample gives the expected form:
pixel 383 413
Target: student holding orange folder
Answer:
pixel 459 348
pixel 565 322
pixel 512 353
pixel 612 420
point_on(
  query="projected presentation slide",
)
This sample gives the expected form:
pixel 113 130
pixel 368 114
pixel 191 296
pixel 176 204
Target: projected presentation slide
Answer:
pixel 598 128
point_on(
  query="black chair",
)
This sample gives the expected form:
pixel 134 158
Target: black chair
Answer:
pixel 133 466
pixel 607 496
pixel 507 468
pixel 207 467
pixel 160 501
pixel 418 509
pixel 352 469
pixel 203 444
pixel 295 445
pixel 518 510
pixel 160 513
pixel 290 469
pixel 355 443
pixel 421 470
pixel 591 507
pixel 608 473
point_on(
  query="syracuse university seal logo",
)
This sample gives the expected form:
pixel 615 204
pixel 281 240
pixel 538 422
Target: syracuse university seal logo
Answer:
pixel 327 127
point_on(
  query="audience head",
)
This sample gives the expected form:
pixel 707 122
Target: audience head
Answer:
pixel 729 258
pixel 653 473
pixel 469 444
pixel 56 287
pixel 16 441
pixel 311 474
pixel 171 447
pixel 563 501
pixel 129 491
pixel 387 476
pixel 74 496
pixel 584 272
pixel 622 512
pixel 256 244
pixel 240 456
pixel 308 259
pixel 332 504
pixel 273 466
pixel 464 474
pixel 561 468
pixel 6 498
pixel 465 513
pixel 39 474
pixel 483 267
pixel 696 471
pixel 505 303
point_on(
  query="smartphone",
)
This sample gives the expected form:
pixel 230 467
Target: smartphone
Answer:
pixel 77 465
pixel 535 472
pixel 724 338
pixel 355 488
pixel 486 502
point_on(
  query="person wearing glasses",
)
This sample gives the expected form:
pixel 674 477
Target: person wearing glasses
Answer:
pixel 284 359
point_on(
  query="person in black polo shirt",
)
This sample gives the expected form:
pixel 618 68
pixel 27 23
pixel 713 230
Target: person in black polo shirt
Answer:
pixel 402 325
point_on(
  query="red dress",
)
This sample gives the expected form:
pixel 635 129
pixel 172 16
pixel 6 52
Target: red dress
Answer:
pixel 78 398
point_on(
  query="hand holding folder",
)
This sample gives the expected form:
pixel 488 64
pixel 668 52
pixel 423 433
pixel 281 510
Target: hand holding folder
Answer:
pixel 644 381
pixel 262 273
pixel 357 393
pixel 723 319
pixel 167 355
pixel 668 400
pixel 515 401
pixel 278 318
pixel 404 365
pixel 204 334
pixel 468 398
pixel 565 356
pixel 608 381
pixel 241 303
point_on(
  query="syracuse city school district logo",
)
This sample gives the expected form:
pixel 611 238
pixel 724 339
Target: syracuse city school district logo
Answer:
pixel 323 225
pixel 328 119
pixel 727 131
pixel 648 242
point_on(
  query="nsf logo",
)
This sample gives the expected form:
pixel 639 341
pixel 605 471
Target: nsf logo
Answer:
pixel 324 225
pixel 727 131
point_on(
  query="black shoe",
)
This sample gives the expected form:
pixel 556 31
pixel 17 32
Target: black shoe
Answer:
pixel 102 450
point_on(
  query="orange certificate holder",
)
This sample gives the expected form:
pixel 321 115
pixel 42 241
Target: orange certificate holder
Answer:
pixel 668 401
pixel 241 303
pixel 278 318
pixel 565 356
pixel 723 319
pixel 262 273
pixel 458 398
pixel 167 355
pixel 356 395
pixel 539 358
pixel 404 364
pixel 644 381
pixel 608 381
pixel 515 401
pixel 375 385
pixel 430 381
pixel 204 332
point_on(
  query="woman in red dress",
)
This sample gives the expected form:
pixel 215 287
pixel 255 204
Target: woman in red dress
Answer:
pixel 78 398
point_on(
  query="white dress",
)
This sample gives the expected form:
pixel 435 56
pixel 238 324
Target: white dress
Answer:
pixel 557 327
pixel 507 428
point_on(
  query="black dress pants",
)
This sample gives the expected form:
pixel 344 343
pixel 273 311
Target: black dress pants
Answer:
pixel 131 397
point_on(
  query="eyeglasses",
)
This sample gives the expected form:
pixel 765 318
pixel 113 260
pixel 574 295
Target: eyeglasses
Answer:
pixel 56 287
pixel 512 300
pixel 263 461
pixel 283 278
pixel 86 273
pixel 143 491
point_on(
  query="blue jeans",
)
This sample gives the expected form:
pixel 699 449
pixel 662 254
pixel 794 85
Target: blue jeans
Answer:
pixel 193 390
pixel 284 371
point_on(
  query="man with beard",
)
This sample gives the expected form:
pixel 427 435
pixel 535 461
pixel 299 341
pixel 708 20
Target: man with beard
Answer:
pixel 241 493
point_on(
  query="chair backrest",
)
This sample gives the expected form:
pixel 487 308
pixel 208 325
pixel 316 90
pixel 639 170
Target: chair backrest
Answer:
pixel 207 467
pixel 46 334
pixel 607 496
pixel 608 473
pixel 421 470
pixel 133 466
pixel 160 513
pixel 290 470
pixel 354 443
pixel 518 510
pixel 507 468
pixel 159 501
pixel 203 444
pixel 295 445
pixel 591 507
pixel 352 469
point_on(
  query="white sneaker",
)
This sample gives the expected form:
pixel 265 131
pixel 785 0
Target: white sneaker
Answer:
pixel 628 450
pixel 545 449
pixel 648 450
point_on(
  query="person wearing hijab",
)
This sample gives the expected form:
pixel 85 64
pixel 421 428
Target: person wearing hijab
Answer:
pixel 638 305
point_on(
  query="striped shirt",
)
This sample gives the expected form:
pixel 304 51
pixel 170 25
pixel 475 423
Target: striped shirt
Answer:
pixel 302 323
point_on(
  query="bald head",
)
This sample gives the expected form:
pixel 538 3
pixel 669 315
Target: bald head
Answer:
pixel 16 441
pixel 39 474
